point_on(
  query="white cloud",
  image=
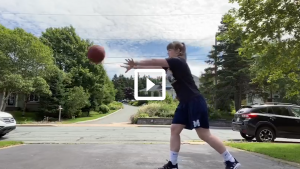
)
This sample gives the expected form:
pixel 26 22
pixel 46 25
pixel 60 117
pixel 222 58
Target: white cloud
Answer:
pixel 149 20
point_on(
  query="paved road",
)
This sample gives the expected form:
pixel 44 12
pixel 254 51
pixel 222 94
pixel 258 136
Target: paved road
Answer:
pixel 125 156
pixel 109 146
pixel 122 116
pixel 109 134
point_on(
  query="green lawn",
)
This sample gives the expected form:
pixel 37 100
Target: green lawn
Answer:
pixel 9 143
pixel 288 151
pixel 93 115
pixel 29 117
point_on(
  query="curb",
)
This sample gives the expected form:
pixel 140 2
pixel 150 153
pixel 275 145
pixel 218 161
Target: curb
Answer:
pixel 6 147
pixel 34 125
pixel 98 118
pixel 268 157
pixel 61 124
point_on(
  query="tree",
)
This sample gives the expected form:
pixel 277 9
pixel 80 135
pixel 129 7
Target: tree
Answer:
pixel 74 100
pixel 272 38
pixel 234 73
pixel 24 64
pixel 57 80
pixel 70 56
pixel 129 93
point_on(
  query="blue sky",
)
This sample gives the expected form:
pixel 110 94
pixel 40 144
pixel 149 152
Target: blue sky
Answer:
pixel 128 29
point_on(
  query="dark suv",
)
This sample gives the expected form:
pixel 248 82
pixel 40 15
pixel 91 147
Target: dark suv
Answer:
pixel 267 122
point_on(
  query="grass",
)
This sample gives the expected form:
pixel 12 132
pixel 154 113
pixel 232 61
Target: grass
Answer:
pixel 9 143
pixel 288 152
pixel 93 115
pixel 29 117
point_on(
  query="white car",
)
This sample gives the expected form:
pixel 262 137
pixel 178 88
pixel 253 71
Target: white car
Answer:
pixel 7 123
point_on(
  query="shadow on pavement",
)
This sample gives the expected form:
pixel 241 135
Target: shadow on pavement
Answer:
pixel 168 126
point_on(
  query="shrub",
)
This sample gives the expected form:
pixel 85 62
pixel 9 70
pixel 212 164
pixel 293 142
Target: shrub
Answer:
pixel 134 118
pixel 218 114
pixel 104 109
pixel 115 105
pixel 138 102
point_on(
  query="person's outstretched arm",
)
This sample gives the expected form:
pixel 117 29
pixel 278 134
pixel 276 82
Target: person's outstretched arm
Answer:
pixel 147 67
pixel 151 62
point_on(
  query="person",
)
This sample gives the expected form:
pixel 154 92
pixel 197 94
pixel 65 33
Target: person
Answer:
pixel 192 110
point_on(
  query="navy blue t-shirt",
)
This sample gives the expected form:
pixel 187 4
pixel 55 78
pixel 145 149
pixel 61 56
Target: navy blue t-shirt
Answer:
pixel 180 77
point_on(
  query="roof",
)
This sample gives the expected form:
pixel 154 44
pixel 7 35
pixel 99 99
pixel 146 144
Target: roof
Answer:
pixel 154 88
pixel 196 79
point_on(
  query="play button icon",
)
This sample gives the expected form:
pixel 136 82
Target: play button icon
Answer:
pixel 146 89
pixel 149 84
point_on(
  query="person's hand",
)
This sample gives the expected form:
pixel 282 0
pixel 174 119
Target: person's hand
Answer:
pixel 130 62
pixel 127 68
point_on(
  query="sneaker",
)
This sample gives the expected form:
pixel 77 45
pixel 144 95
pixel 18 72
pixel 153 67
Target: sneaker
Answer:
pixel 169 165
pixel 232 165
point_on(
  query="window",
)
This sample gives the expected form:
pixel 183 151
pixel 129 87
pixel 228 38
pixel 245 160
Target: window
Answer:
pixel 11 100
pixel 34 98
pixel 296 111
pixel 281 111
pixel 262 110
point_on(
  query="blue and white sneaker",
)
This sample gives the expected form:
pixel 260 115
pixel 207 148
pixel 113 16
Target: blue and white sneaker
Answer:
pixel 232 165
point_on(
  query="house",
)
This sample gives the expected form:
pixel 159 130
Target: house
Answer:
pixel 169 88
pixel 16 102
pixel 256 99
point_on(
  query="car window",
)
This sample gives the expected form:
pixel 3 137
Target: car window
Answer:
pixel 243 110
pixel 262 110
pixel 296 111
pixel 281 111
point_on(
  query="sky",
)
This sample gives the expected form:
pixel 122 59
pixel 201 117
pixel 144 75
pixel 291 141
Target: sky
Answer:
pixel 135 29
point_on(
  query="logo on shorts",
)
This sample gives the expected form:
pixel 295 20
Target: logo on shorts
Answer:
pixel 196 123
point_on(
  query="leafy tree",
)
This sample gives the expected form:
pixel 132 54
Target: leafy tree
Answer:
pixel 74 100
pixel 24 64
pixel 234 73
pixel 57 80
pixel 272 38
pixel 70 56
pixel 129 93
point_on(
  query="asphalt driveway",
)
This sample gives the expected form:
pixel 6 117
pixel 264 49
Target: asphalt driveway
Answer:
pixel 125 156
pixel 121 116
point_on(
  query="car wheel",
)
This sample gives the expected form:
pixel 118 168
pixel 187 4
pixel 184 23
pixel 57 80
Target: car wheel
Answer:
pixel 265 134
pixel 247 137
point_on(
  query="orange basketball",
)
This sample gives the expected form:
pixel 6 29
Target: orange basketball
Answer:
pixel 96 54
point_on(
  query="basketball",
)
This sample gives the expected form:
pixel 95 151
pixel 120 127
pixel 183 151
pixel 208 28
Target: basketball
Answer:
pixel 96 54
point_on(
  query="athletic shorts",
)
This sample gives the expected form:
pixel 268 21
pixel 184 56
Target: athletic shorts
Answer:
pixel 193 114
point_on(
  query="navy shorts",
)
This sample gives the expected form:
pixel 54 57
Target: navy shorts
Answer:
pixel 193 114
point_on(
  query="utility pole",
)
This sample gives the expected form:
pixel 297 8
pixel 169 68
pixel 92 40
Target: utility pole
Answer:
pixel 59 109
pixel 216 69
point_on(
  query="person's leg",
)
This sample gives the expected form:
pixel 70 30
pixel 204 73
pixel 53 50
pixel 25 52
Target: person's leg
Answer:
pixel 175 142
pixel 178 124
pixel 199 114
pixel 205 135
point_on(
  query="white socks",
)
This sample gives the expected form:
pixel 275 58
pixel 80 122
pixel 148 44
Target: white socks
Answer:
pixel 228 157
pixel 173 157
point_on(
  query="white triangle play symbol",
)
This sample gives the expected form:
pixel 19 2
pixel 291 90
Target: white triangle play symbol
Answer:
pixel 149 84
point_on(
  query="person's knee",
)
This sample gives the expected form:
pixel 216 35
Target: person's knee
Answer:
pixel 176 129
pixel 203 133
